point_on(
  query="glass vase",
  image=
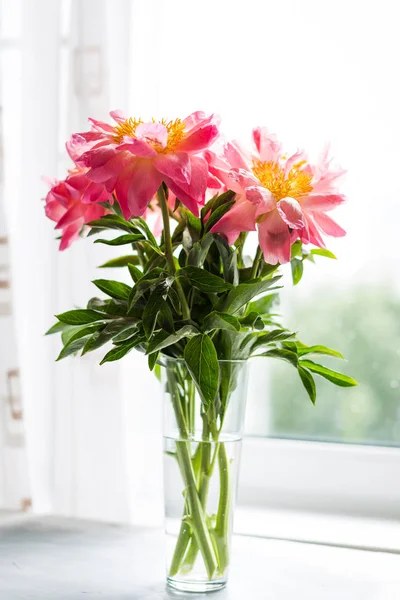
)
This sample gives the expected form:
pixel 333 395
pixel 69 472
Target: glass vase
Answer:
pixel 202 446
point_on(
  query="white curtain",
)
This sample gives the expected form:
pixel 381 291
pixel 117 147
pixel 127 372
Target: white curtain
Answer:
pixel 85 425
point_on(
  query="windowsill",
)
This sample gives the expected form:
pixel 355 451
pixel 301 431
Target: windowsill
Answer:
pixel 319 528
pixel 49 557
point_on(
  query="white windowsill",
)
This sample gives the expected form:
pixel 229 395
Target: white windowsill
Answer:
pixel 49 557
pixel 319 528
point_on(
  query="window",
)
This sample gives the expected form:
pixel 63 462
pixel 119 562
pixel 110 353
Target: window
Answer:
pixel 311 71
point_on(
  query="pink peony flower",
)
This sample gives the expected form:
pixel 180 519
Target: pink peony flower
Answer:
pixel 284 198
pixel 134 158
pixel 73 202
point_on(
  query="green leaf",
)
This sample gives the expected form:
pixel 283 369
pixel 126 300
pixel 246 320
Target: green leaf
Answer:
pixel 308 382
pixel 135 273
pixel 115 289
pixel 72 348
pixel 283 354
pixel 217 215
pixel 217 201
pixel 252 320
pixel 157 370
pixel 100 338
pixel 229 260
pixel 111 222
pixel 332 376
pixel 163 339
pixel 217 320
pixel 75 333
pixel 153 307
pixel 81 317
pixel 125 334
pixel 56 328
pixel 165 318
pixel 144 228
pixel 122 350
pixel 296 249
pixel 199 251
pixel 276 335
pixel 202 361
pixel 297 270
pixel 203 280
pixel 323 252
pixel 264 305
pixel 121 261
pixel 123 239
pixel 147 282
pixel 152 360
pixel 302 350
pixel 113 308
pixel 244 292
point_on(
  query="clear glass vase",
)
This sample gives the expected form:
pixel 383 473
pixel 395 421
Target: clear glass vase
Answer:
pixel 202 447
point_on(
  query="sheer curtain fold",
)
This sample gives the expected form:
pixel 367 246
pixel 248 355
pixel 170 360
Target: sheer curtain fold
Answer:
pixel 74 60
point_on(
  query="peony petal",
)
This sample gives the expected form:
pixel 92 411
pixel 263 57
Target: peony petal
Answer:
pixel 213 182
pixel 53 209
pixel 152 132
pixel 93 212
pixel 267 144
pixel 236 156
pixel 144 183
pixel 328 225
pixel 224 177
pixel 274 239
pixel 101 126
pixel 261 198
pixel 137 147
pixel 112 167
pixel 310 234
pixel 199 140
pixel 299 156
pixel 122 189
pixel 176 166
pixel 241 217
pixel 244 178
pixel 70 234
pixel 199 119
pixel 80 143
pixel 72 214
pixel 322 203
pixel 118 116
pixel 192 195
pixel 95 192
pixel 290 212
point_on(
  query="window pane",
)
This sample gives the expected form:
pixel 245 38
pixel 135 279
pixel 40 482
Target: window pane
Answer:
pixel 362 320
pixel 310 71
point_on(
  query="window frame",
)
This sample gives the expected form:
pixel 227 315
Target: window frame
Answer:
pixel 324 477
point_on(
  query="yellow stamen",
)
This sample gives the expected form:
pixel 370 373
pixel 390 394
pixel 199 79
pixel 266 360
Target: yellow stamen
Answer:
pixel 128 128
pixel 272 176
pixel 176 131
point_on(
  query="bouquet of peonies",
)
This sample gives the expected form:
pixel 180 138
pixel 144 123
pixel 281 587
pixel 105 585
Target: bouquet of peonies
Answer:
pixel 183 203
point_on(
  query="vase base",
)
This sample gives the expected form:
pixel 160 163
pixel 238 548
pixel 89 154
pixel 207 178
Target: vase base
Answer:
pixel 195 587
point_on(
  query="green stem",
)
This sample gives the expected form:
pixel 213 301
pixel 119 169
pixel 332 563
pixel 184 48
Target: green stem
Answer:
pixel 167 231
pixel 204 476
pixel 204 484
pixel 196 518
pixel 169 252
pixel 221 535
pixel 256 263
